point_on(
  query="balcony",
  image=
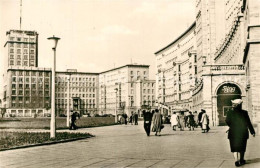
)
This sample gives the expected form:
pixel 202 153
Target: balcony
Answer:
pixel 224 69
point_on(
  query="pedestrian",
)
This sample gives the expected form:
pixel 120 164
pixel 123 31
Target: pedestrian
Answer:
pixel 147 115
pixel 204 122
pixel 157 123
pixel 136 118
pixel 181 121
pixel 73 121
pixel 239 123
pixel 199 117
pixel 124 115
pixel 131 118
pixel 174 121
pixel 191 121
pixel 195 118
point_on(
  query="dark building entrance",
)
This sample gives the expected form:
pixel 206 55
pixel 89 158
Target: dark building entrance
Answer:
pixel 225 94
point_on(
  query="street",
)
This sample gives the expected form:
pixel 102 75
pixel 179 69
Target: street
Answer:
pixel 128 146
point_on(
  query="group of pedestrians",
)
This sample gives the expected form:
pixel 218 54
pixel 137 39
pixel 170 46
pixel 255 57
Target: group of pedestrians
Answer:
pixel 191 121
pixel 153 118
pixel 124 119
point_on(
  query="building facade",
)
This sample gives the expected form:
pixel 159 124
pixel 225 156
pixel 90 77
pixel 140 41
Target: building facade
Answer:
pixel 125 89
pixel 177 71
pixel 81 86
pixel 251 15
pixel 226 59
pixel 28 92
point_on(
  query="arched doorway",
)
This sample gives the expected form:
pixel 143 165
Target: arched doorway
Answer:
pixel 225 94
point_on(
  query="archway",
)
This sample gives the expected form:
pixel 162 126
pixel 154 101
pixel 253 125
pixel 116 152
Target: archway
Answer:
pixel 225 94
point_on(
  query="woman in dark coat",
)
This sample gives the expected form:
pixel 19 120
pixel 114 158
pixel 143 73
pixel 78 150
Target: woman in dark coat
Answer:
pixel 239 123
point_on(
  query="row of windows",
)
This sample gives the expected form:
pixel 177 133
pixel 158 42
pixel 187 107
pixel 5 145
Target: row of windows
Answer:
pixel 76 89
pixel 138 73
pixel 64 79
pixel 19 63
pixel 27 86
pixel 27 80
pixel 19 45
pixel 75 95
pixel 76 84
pixel 14 98
pixel 25 51
pixel 25 57
pixel 33 92
pixel 28 73
pixel 22 39
pixel 85 101
pixel 148 91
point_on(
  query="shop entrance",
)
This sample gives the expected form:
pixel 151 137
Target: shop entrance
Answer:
pixel 225 94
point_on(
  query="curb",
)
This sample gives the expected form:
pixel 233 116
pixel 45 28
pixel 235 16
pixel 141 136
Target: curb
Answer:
pixel 47 143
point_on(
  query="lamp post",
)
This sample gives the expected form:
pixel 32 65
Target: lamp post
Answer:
pixel 68 102
pixel 53 123
pixel 116 89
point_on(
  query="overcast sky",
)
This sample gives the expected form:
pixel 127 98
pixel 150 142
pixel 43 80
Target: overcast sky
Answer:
pixel 97 35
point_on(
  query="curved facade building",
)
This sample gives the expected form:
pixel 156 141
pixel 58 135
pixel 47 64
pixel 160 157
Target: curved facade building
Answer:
pixel 226 49
pixel 176 71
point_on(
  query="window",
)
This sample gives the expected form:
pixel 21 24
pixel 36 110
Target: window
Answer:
pixel 195 58
pixel 20 92
pixel 18 51
pixel 31 51
pixel 14 79
pixel 25 51
pixel 25 39
pixel 11 62
pixel 20 86
pixel 144 72
pixel 11 50
pixel 196 70
pixel 25 63
pixel 13 85
pixel 13 92
pixel 144 91
pixel 12 38
pixel 31 56
pixel 31 39
pixel 18 45
pixel 179 68
pixel 12 45
pixel 11 56
pixel 131 72
pixel 18 62
pixel 132 85
pixel 25 45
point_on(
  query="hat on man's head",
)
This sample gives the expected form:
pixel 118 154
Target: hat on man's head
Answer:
pixel 237 101
pixel 203 110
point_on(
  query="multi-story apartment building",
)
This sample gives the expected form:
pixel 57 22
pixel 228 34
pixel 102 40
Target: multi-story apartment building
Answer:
pixel 122 89
pixel 220 75
pixel 77 86
pixel 28 91
pixel 21 48
pixel 251 59
pixel 177 71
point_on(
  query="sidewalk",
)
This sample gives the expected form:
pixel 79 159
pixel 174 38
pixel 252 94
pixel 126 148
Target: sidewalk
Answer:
pixel 128 146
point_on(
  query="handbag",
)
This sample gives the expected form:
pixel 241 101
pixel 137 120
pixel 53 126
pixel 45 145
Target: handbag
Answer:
pixel 162 126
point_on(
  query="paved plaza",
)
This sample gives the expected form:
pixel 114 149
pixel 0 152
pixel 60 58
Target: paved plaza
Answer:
pixel 128 146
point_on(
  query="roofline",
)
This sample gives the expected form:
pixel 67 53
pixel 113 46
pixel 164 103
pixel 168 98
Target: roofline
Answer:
pixel 193 25
pixel 87 73
pixel 128 65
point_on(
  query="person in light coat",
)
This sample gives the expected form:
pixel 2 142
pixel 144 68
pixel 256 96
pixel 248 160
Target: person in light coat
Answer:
pixel 204 121
pixel 174 121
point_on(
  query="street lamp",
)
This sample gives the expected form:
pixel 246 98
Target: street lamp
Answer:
pixel 53 123
pixel 68 101
pixel 116 89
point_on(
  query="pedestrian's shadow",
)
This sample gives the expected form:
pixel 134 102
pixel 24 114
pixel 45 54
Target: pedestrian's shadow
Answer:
pixel 255 160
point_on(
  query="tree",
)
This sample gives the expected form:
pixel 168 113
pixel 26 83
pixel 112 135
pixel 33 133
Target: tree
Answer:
pixel 3 111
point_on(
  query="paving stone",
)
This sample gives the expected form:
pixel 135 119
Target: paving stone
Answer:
pixel 166 163
pixel 144 163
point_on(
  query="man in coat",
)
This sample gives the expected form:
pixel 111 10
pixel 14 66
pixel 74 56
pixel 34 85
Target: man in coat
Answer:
pixel 147 121
pixel 239 123
pixel 200 116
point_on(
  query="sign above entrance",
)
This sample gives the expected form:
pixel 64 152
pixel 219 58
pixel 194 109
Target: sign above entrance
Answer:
pixel 229 88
